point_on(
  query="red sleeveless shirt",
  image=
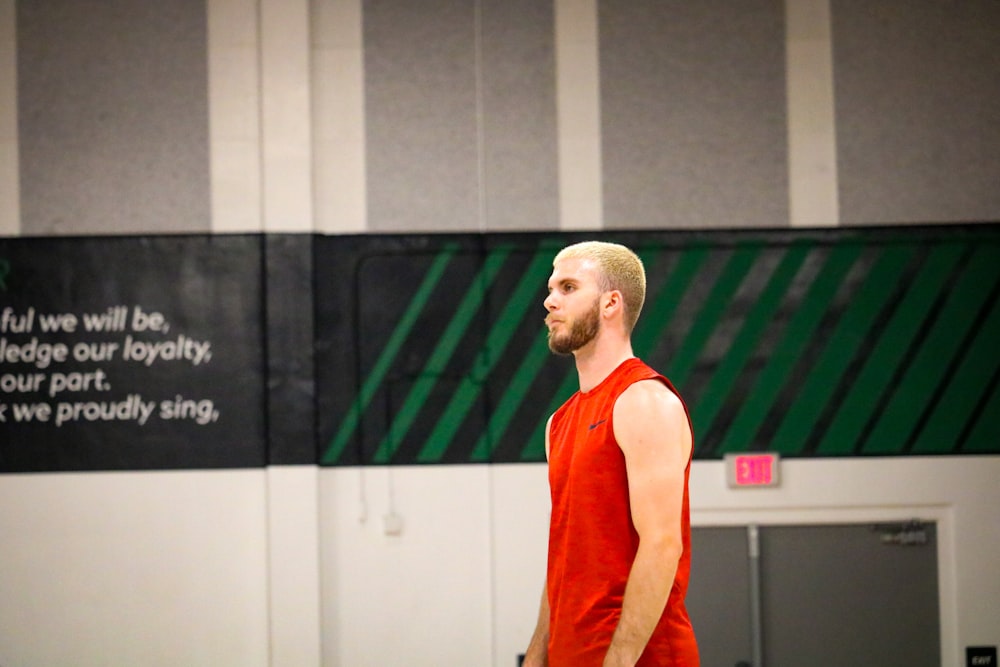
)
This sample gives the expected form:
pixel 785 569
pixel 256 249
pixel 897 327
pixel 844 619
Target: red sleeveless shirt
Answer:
pixel 592 541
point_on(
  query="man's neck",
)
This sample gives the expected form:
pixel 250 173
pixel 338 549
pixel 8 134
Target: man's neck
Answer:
pixel 597 360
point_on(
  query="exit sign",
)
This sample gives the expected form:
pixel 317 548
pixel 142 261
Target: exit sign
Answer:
pixel 981 656
pixel 752 470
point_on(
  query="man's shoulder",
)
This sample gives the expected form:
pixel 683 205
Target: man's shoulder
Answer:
pixel 649 393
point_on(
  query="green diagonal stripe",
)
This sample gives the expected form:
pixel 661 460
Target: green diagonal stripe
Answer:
pixel 512 398
pixel 965 389
pixel 842 345
pixel 656 316
pixel 534 448
pixel 522 298
pixel 756 322
pixel 712 310
pixel 845 429
pixel 924 376
pixel 986 432
pixel 438 360
pixel 385 360
pixel 801 327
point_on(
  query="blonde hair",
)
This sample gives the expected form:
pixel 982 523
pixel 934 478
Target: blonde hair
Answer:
pixel 618 268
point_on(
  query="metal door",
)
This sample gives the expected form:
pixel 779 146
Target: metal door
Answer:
pixel 718 599
pixel 823 596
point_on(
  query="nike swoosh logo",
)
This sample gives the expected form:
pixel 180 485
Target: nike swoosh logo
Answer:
pixel 596 424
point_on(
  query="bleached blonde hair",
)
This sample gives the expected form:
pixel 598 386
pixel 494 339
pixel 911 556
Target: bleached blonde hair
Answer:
pixel 618 268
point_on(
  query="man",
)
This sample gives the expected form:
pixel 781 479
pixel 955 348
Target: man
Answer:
pixel 619 453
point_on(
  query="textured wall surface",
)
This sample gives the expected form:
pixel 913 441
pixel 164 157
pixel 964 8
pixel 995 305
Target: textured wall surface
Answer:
pixel 464 119
pixel 918 98
pixel 693 114
pixel 113 116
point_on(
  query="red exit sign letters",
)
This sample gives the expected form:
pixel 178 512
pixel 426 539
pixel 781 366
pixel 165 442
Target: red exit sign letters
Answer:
pixel 752 470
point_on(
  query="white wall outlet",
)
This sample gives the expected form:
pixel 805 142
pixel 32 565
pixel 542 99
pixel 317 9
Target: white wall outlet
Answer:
pixel 392 524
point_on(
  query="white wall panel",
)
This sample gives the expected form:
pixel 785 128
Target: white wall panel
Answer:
pixel 812 137
pixel 581 204
pixel 234 115
pixel 153 569
pixel 286 115
pixel 419 598
pixel 338 117
pixel 293 565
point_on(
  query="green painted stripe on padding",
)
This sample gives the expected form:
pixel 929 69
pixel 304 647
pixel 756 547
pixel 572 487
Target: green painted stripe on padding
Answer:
pixel 512 398
pixel 656 316
pixel 925 375
pixel 535 446
pixel 966 388
pixel 800 328
pixel 712 309
pixel 437 362
pixel 387 357
pixel 521 300
pixel 985 433
pixel 845 430
pixel 731 366
pixel 842 345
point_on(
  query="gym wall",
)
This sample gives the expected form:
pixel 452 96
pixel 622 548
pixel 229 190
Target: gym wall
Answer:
pixel 294 183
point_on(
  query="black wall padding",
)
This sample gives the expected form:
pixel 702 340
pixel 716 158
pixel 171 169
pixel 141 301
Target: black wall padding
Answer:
pixel 236 351
pixel 288 272
pixel 200 403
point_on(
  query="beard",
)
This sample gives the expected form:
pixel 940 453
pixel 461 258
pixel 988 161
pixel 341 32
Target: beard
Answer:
pixel 580 333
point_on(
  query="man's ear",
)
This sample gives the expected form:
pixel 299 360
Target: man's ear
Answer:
pixel 611 303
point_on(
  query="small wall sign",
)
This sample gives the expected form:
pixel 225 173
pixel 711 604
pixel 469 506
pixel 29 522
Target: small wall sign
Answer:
pixel 752 470
pixel 981 656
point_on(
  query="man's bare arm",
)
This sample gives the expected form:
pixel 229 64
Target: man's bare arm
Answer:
pixel 537 654
pixel 654 435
